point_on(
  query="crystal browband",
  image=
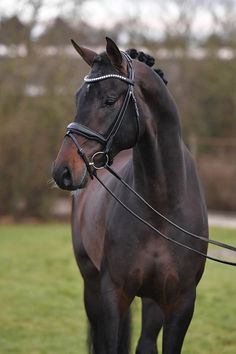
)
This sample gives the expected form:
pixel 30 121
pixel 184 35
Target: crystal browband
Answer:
pixel 108 76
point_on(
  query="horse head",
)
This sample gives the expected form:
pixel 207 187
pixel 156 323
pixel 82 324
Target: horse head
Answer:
pixel 106 120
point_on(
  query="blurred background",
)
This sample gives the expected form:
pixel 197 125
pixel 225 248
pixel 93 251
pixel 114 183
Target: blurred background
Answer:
pixel 194 43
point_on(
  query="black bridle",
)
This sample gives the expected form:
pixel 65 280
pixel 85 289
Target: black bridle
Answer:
pixel 107 140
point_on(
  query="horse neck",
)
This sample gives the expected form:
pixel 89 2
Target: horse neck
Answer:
pixel 159 168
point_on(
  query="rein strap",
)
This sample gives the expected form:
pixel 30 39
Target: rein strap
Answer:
pixel 150 226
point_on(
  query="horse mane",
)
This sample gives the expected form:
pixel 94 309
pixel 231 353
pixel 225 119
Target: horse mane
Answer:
pixel 148 60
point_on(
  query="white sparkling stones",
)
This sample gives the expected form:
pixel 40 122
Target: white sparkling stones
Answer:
pixel 108 76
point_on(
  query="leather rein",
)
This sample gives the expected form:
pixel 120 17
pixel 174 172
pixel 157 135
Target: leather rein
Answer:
pixel 106 141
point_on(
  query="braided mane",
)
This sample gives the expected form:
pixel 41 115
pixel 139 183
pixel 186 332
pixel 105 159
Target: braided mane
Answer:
pixel 148 60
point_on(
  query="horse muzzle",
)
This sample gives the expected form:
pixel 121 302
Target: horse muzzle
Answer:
pixel 65 179
pixel 69 170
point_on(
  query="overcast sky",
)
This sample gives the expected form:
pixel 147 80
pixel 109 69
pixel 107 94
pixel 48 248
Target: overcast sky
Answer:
pixel 107 12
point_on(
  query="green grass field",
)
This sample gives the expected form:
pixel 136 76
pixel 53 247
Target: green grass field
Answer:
pixel 41 296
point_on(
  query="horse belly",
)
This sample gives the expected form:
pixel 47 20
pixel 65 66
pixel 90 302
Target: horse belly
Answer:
pixel 141 263
pixel 146 266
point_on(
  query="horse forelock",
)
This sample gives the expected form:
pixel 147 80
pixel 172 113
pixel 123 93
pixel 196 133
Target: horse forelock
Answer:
pixel 101 58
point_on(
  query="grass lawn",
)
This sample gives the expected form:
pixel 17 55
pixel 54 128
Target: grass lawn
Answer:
pixel 41 296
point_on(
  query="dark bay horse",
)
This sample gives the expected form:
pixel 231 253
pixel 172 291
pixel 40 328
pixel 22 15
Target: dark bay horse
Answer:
pixel 125 113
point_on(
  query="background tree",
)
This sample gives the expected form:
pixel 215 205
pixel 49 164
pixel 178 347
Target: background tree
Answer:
pixel 223 15
pixel 36 90
pixel 13 31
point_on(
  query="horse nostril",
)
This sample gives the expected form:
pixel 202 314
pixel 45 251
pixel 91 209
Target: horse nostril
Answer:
pixel 66 177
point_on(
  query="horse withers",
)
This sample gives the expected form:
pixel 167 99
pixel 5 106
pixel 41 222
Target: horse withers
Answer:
pixel 127 117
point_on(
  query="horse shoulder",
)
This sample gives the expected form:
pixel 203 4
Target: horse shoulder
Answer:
pixel 90 212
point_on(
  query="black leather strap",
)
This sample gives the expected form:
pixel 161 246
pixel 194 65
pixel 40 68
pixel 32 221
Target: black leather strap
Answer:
pixel 81 154
pixel 86 132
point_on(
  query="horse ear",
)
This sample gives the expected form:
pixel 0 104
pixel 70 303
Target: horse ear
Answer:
pixel 113 53
pixel 87 54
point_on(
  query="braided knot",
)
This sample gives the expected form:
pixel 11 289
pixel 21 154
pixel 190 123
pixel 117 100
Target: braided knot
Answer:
pixel 146 59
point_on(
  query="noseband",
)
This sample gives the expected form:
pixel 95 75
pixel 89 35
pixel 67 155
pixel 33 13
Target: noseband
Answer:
pixel 106 140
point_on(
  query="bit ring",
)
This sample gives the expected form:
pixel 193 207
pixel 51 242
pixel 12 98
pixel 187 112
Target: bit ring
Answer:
pixel 93 163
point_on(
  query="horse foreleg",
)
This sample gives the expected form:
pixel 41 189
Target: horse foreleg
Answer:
pixel 92 301
pixel 115 319
pixel 152 321
pixel 176 323
pixel 124 334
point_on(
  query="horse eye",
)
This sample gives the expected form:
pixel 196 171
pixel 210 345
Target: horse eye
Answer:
pixel 109 101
